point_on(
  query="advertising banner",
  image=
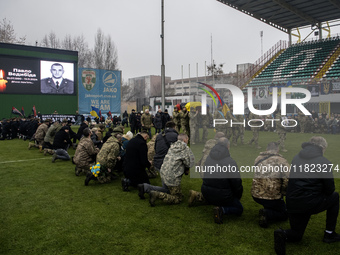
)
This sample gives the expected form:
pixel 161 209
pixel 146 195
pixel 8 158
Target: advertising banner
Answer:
pixel 100 89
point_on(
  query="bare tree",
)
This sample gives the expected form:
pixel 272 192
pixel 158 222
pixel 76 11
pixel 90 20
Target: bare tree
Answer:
pixel 215 70
pixel 67 43
pixel 105 52
pixel 51 41
pixel 7 34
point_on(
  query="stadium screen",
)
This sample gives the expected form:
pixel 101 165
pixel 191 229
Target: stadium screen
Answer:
pixel 20 75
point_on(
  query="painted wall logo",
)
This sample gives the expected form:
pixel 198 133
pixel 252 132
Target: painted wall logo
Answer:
pixel 88 78
pixel 110 80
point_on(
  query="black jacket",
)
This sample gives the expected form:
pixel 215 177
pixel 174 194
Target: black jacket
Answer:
pixel 136 160
pixel 219 188
pixel 61 139
pixel 162 145
pixel 307 189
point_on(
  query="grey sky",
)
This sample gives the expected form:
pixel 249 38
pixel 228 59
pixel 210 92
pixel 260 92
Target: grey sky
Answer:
pixel 135 27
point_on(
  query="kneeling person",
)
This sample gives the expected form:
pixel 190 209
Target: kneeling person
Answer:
pixel 269 186
pixel 221 189
pixel 177 162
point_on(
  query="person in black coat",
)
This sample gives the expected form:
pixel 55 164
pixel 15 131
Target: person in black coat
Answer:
pixel 223 186
pixel 157 122
pixel 61 143
pixel 83 125
pixel 163 142
pixel 165 118
pixel 133 121
pixel 310 190
pixel 136 160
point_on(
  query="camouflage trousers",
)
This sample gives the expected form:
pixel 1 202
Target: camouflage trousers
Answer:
pixel 195 135
pixel 152 173
pixel 282 138
pixel 199 197
pixel 236 134
pixel 229 132
pixel 255 137
pixel 175 196
pixel 186 130
pixel 84 168
pixel 178 128
pixel 205 133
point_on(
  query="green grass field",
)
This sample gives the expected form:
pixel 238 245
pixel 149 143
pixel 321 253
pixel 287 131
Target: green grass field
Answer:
pixel 46 209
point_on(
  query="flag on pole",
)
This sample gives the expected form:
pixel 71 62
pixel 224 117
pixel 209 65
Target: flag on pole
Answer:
pixel 22 111
pixel 16 111
pixel 34 111
pixel 95 112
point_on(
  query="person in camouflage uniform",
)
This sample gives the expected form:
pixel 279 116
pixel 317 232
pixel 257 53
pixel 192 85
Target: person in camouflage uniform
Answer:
pixel 281 130
pixel 49 137
pixel 107 157
pixel 85 155
pixel 152 173
pixel 268 123
pixel 194 126
pixel 176 119
pixel 255 129
pixel 184 116
pixel 231 130
pixel 269 186
pixel 146 121
pixel 302 121
pixel 176 163
pixel 205 120
pixel 220 127
pixel 239 132
pixel 322 125
pixel 40 135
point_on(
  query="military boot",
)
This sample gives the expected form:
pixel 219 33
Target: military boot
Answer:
pixel 30 145
pixel 192 197
pixel 89 177
pixel 153 197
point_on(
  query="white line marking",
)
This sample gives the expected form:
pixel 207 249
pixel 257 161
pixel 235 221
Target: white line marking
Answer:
pixel 14 161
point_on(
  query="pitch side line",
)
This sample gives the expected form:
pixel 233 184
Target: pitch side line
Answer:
pixel 24 160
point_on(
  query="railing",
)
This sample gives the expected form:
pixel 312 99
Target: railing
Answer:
pixel 261 62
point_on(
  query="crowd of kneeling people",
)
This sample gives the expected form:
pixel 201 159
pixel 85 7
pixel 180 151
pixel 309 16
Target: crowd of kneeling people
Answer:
pixel 167 154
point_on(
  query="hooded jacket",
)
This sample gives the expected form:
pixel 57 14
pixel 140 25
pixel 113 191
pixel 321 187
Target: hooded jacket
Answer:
pixel 162 145
pixel 219 188
pixel 308 186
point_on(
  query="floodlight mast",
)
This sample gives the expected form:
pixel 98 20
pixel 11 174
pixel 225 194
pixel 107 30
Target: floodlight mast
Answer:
pixel 163 66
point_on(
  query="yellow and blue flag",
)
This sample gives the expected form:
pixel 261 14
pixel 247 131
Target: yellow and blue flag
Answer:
pixel 95 112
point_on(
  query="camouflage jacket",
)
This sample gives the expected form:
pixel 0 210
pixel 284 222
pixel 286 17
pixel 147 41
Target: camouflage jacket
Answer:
pixel 184 116
pixel 253 116
pixel 206 119
pixel 176 160
pixel 219 127
pixel 52 130
pixel 146 120
pixel 193 119
pixel 41 132
pixel 279 127
pixel 206 151
pixel 270 184
pixel 176 117
pixel 151 147
pixel 108 154
pixel 85 152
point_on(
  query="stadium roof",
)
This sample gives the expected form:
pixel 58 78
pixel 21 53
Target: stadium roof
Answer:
pixel 288 14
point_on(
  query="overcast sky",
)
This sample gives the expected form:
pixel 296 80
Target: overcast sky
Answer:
pixel 135 27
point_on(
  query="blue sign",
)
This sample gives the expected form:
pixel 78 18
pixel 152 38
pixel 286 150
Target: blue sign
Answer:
pixel 100 89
